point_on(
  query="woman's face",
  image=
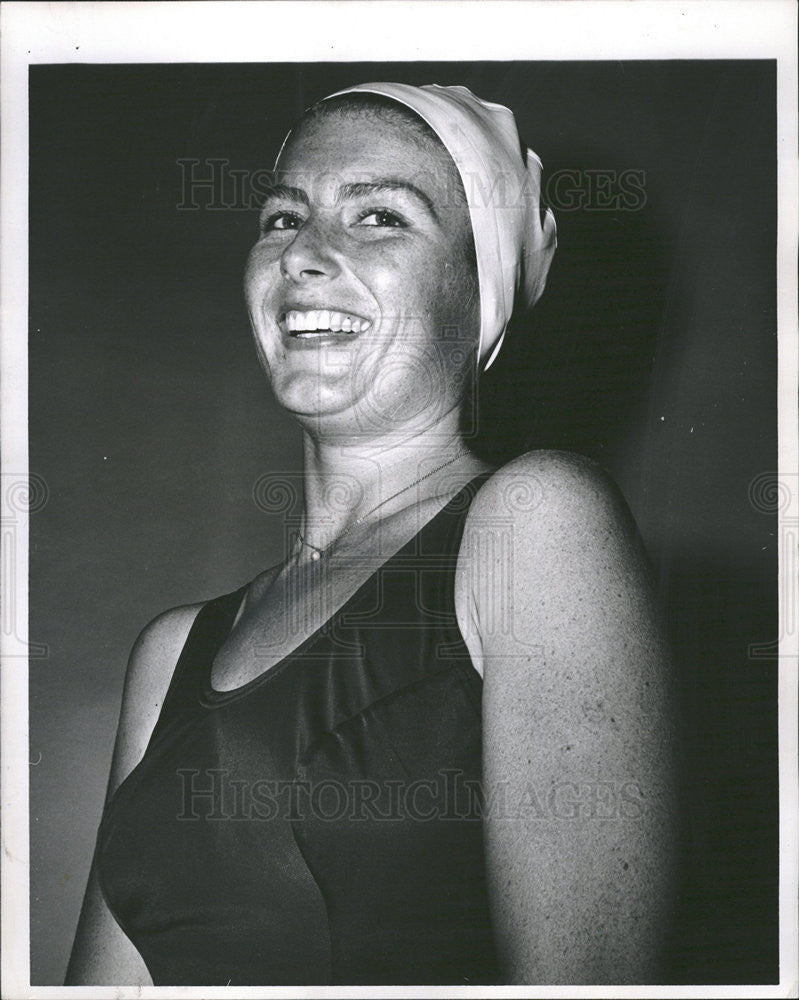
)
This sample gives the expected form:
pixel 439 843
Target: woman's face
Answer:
pixel 361 288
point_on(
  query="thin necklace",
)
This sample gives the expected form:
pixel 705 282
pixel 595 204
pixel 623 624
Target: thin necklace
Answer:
pixel 317 553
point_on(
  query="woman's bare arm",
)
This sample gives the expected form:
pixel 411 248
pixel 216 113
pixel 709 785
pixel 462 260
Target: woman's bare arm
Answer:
pixel 578 727
pixel 102 953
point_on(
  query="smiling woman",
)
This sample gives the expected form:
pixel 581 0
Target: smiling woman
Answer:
pixel 432 745
pixel 364 248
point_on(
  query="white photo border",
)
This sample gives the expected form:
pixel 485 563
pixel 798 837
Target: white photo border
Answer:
pixel 314 30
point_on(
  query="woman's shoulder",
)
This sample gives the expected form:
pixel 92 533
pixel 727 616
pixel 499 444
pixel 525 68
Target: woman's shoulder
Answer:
pixel 150 667
pixel 541 489
pixel 167 628
pixel 545 523
pixel 551 555
pixel 156 650
pixel 158 647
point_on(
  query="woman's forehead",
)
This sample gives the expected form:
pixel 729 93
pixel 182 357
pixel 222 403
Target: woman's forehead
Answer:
pixel 335 149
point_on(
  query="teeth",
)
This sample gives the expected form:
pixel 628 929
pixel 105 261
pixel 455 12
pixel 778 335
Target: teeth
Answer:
pixel 324 320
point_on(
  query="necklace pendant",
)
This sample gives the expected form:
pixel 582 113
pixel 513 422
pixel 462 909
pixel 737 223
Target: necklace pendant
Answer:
pixel 316 556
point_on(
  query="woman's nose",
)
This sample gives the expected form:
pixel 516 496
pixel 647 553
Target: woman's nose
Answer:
pixel 309 255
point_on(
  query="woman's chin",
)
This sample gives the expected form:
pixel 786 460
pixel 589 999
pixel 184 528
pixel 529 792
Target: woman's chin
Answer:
pixel 379 397
pixel 321 404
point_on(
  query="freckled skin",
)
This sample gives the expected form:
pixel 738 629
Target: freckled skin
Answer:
pixel 577 698
pixel 409 281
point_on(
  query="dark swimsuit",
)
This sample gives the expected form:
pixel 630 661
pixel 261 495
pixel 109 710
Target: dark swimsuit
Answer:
pixel 320 824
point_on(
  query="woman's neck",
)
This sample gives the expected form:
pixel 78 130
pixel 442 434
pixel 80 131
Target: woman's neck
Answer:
pixel 349 482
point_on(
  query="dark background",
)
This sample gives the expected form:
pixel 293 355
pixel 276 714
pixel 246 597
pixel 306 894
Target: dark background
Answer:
pixel 653 350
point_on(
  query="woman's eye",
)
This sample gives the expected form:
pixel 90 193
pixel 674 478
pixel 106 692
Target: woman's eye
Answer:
pixel 381 217
pixel 280 221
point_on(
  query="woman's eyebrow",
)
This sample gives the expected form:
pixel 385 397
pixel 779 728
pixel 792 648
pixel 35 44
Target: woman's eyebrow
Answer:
pixel 276 192
pixel 359 189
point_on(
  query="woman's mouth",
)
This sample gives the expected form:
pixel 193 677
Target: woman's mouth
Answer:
pixel 321 322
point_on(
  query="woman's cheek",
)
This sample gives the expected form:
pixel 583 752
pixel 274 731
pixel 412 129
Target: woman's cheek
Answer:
pixel 261 277
pixel 405 287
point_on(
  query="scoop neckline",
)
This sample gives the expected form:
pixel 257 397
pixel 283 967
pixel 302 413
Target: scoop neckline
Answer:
pixel 213 697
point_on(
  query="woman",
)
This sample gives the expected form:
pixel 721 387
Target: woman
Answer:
pixel 433 745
